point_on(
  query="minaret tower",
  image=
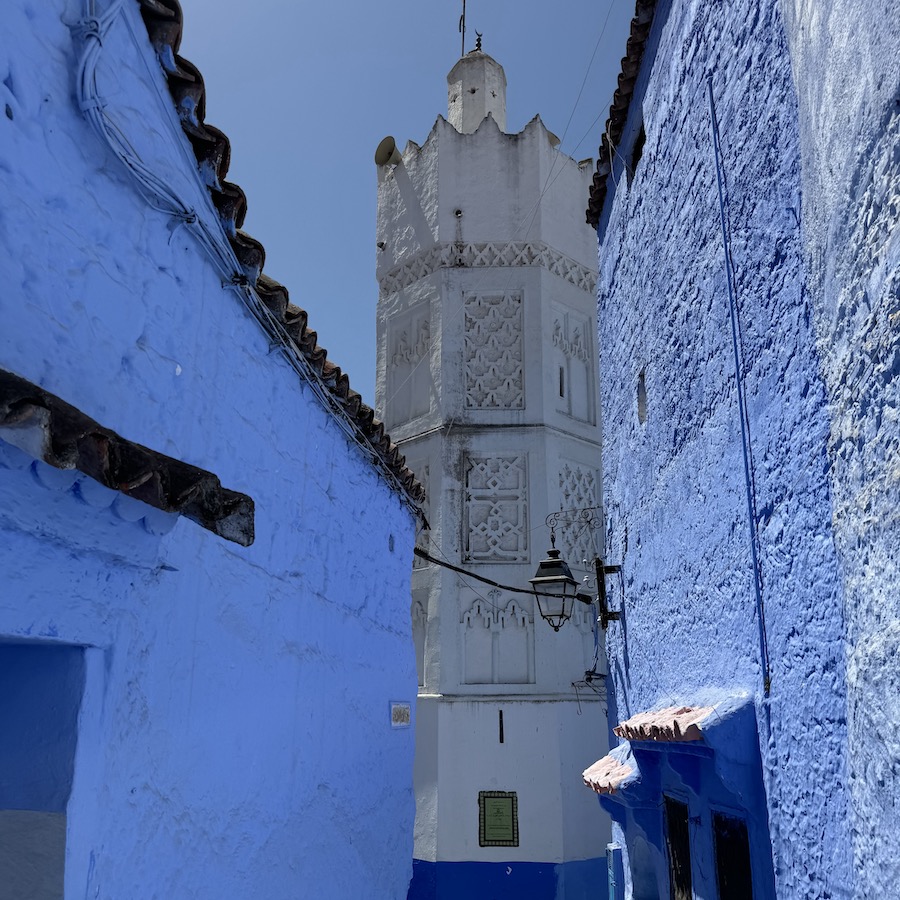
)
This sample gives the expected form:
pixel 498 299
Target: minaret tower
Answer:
pixel 487 378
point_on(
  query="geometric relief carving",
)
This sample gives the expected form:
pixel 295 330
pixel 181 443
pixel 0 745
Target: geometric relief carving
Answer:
pixel 495 513
pixel 497 643
pixel 575 363
pixel 408 366
pixel 578 490
pixel 493 351
pixel 456 254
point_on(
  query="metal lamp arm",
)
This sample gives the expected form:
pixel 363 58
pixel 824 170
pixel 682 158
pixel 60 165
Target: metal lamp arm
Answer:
pixel 606 615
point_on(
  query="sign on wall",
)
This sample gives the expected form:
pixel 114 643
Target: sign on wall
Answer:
pixel 498 819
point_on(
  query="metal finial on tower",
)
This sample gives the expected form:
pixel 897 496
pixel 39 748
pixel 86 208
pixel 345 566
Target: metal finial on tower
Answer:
pixel 462 29
pixel 478 40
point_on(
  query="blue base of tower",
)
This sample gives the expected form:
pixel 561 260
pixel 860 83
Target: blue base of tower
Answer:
pixel 577 880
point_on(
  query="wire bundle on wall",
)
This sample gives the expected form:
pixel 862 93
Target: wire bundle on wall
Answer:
pixel 212 238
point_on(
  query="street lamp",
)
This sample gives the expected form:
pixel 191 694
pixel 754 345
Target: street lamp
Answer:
pixel 556 590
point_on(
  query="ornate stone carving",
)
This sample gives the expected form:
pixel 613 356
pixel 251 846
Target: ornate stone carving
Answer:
pixel 495 519
pixel 570 338
pixel 458 254
pixel 497 642
pixel 577 490
pixel 493 351
pixel 408 351
pixel 575 359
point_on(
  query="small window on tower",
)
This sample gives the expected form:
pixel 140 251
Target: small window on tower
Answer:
pixel 562 382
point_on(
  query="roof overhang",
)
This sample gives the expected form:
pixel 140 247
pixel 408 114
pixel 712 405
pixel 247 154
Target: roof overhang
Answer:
pixel 49 429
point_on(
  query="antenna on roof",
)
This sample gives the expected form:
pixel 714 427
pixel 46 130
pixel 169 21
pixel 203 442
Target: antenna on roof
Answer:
pixel 462 28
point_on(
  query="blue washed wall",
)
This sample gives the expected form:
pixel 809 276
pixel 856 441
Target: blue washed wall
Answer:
pixel 234 734
pixel 844 56
pixel 674 484
pixel 523 880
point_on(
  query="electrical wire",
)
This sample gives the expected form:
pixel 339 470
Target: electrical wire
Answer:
pixel 92 29
pixel 424 554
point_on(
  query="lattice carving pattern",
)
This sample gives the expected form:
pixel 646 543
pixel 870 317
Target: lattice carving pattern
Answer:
pixel 493 350
pixel 496 525
pixel 577 490
pixel 459 254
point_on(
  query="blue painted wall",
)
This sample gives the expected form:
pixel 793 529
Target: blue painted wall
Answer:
pixel 674 483
pixel 497 880
pixel 234 735
pixel 844 58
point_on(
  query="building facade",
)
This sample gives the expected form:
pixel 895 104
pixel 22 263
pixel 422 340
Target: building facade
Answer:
pixel 205 537
pixel 487 379
pixel 746 202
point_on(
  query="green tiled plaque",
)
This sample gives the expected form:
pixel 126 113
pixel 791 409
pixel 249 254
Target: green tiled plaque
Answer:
pixel 498 819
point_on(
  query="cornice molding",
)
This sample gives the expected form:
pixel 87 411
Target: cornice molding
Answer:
pixel 465 255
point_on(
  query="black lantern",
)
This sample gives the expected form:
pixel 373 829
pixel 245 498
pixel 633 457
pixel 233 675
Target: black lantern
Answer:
pixel 555 589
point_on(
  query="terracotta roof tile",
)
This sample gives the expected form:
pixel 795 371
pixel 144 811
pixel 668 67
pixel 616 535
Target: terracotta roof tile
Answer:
pixel 606 775
pixel 163 20
pixel 618 111
pixel 675 723
pixel 49 429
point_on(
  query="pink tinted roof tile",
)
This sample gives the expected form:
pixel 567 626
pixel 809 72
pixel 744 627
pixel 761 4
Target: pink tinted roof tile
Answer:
pixel 607 774
pixel 675 723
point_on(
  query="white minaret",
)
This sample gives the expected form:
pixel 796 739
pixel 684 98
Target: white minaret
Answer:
pixel 476 89
pixel 487 378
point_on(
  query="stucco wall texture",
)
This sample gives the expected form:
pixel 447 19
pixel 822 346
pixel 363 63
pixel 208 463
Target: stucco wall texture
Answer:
pixel 844 57
pixel 236 700
pixel 811 189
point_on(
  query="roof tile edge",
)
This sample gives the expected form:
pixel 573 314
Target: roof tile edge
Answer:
pixel 641 24
pixel 163 21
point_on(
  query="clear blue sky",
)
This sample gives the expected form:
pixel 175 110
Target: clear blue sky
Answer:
pixel 305 91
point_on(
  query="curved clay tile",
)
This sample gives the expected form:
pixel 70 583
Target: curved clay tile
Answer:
pixel 641 24
pixel 212 149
